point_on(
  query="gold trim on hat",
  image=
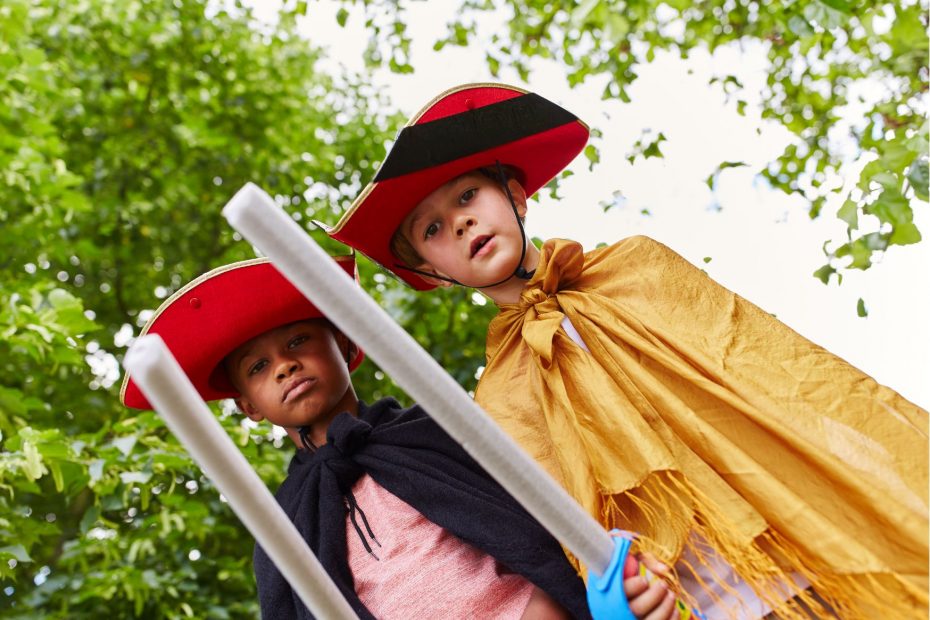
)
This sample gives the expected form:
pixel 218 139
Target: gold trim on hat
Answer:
pixel 455 89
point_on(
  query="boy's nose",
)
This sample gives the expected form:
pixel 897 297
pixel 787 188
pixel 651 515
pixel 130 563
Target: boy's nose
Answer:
pixel 286 368
pixel 464 224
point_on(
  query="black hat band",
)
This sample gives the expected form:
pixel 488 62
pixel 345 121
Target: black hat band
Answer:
pixel 437 142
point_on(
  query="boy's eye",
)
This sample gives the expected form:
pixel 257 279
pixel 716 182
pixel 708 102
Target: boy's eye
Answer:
pixel 257 367
pixel 297 341
pixel 431 230
pixel 467 195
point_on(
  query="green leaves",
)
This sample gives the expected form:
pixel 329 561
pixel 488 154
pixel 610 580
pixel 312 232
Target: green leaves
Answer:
pixel 824 273
pixel 799 26
pixel 593 156
pixel 124 127
pixel 905 234
pixel 66 313
pixel 827 14
pixel 838 5
pixel 886 189
pixel 891 207
pixel 124 444
pixel 849 213
pixel 908 34
pixel 711 180
pixel 645 148
pixel 897 155
pixel 15 552
pixel 918 176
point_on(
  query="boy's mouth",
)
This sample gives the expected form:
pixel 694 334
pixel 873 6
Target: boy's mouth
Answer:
pixel 478 243
pixel 297 387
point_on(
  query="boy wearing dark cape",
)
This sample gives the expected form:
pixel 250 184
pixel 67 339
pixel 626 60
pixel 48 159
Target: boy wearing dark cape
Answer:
pixel 243 331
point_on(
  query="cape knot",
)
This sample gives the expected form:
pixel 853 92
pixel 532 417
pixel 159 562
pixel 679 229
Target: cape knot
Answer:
pixel 560 264
pixel 346 436
pixel 534 296
pixel 347 433
pixel 543 317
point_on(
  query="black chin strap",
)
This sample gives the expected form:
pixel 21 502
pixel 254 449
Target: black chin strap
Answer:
pixel 304 432
pixel 519 272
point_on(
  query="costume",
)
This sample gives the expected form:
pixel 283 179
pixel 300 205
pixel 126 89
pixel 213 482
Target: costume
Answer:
pixel 696 418
pixel 695 412
pixel 405 452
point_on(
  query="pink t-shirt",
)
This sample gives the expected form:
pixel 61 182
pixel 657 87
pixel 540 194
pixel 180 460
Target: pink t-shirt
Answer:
pixel 423 571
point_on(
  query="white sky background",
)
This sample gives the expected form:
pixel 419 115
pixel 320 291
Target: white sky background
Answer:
pixel 761 242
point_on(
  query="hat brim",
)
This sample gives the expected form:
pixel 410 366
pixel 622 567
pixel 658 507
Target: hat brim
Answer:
pixel 370 222
pixel 206 320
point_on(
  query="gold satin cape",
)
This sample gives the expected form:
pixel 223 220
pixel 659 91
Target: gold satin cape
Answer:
pixel 697 413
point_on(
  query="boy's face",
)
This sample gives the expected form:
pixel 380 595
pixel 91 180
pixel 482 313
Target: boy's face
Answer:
pixel 466 230
pixel 294 375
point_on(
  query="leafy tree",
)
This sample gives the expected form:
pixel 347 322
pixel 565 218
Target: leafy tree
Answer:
pixel 823 55
pixel 124 128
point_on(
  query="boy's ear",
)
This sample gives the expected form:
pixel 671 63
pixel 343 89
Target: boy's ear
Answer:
pixel 346 346
pixel 250 410
pixel 519 196
pixel 353 351
pixel 430 269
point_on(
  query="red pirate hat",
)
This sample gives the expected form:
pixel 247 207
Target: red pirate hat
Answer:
pixel 206 320
pixel 467 127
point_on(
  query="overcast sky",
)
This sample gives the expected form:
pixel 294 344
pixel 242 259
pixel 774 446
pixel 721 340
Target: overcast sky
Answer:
pixel 761 243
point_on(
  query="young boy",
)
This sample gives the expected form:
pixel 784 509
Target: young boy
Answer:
pixel 664 403
pixel 402 519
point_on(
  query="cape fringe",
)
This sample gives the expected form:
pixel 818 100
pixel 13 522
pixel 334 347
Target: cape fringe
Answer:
pixel 669 515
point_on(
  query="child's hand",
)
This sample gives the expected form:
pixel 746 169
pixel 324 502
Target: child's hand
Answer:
pixel 622 593
pixel 648 601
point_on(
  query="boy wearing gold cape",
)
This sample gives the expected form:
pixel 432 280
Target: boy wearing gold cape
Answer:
pixel 778 480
